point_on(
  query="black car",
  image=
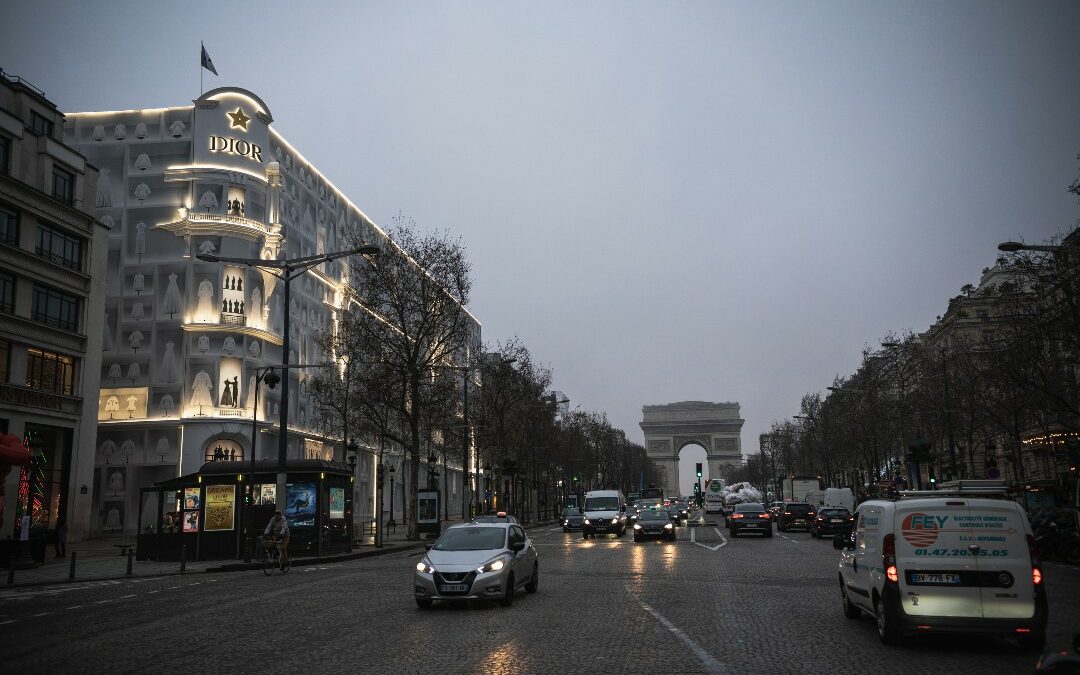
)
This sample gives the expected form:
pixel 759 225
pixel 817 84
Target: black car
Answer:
pixel 795 515
pixel 654 524
pixel 831 520
pixel 750 517
pixel 678 514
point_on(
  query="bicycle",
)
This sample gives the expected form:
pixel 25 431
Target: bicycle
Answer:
pixel 270 557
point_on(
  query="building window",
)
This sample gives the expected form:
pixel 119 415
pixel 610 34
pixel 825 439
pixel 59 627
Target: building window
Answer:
pixel 5 153
pixel 55 308
pixel 50 372
pixel 5 361
pixel 59 246
pixel 7 293
pixel 40 125
pixel 63 185
pixel 9 226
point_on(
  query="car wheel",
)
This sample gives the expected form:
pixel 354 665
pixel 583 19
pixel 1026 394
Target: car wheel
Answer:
pixel 534 582
pixel 508 597
pixel 886 627
pixel 734 534
pixel 850 610
pixel 1033 642
pixel 768 533
pixel 637 539
pixel 423 603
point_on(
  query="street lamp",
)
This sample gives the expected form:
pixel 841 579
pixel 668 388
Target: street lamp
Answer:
pixel 287 270
pixel 391 522
pixel 432 458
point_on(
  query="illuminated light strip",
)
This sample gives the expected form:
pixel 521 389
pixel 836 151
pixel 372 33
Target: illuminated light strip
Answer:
pixel 219 167
pixel 143 111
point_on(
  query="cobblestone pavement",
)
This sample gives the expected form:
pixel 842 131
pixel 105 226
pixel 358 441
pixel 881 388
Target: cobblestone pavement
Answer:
pixel 746 605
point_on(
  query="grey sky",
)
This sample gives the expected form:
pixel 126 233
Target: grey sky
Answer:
pixel 665 201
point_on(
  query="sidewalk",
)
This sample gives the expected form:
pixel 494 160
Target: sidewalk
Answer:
pixel 99 560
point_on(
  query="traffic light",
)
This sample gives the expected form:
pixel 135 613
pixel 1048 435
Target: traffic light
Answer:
pixel 697 488
pixel 699 469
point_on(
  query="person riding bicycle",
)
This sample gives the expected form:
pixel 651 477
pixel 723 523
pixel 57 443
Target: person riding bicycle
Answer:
pixel 277 530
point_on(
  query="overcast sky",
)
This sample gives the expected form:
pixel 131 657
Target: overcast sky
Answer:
pixel 666 201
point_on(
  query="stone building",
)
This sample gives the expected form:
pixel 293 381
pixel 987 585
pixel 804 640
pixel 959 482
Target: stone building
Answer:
pixel 182 338
pixel 52 295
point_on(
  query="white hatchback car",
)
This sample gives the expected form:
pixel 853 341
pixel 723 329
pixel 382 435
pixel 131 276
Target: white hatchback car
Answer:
pixel 483 561
pixel 952 562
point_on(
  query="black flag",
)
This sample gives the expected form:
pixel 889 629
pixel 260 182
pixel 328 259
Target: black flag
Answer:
pixel 206 62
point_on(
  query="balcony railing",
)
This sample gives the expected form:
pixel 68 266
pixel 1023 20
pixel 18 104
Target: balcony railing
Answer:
pixel 58 259
pixel 24 396
pixel 229 319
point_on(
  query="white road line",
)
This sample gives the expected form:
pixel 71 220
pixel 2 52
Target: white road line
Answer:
pixel 34 616
pixel 693 540
pixel 152 592
pixel 4 623
pixel 793 541
pixel 710 663
pixel 74 607
pixel 124 597
pixel 102 602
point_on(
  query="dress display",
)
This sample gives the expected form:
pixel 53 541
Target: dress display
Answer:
pixel 140 239
pixel 104 190
pixel 255 308
pixel 177 129
pixel 228 347
pixel 112 404
pixel 120 131
pixel 249 403
pixel 206 300
pixel 166 405
pixel 142 162
pixel 140 130
pixel 138 283
pixel 99 133
pixel 134 371
pixel 170 370
pixel 201 388
pixel 208 201
pixel 204 344
pixel 170 304
pixel 137 313
pixel 136 338
pixel 163 443
pixel 142 191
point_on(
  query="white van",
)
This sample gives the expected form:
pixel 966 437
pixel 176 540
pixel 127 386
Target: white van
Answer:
pixel 604 513
pixel 955 560
pixel 840 498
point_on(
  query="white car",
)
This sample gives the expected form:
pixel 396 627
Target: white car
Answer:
pixel 953 562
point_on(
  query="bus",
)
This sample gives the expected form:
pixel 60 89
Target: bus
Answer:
pixel 650 497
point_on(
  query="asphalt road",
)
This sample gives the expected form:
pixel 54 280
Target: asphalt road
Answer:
pixel 711 605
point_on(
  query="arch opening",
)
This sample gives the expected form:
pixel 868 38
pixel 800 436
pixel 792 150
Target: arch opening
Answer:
pixel 690 455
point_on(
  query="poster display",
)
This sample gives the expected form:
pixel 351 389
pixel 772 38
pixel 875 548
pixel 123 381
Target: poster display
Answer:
pixel 191 498
pixel 220 507
pixel 427 511
pixel 191 521
pixel 266 494
pixel 300 504
pixel 337 502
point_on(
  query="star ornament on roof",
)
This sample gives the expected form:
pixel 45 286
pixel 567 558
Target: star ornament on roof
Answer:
pixel 239 119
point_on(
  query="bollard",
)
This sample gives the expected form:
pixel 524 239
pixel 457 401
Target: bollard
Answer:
pixel 11 570
pixel 183 557
pixel 129 562
pixel 71 570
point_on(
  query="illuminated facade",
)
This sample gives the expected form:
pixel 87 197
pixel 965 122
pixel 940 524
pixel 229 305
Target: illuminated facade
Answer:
pixel 182 337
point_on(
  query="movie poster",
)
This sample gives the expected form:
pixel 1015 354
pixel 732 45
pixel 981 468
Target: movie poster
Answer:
pixel 191 498
pixel 300 504
pixel 337 502
pixel 220 507
pixel 191 521
pixel 428 507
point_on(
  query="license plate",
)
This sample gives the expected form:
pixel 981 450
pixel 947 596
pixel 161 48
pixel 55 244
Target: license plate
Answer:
pixel 453 588
pixel 749 525
pixel 652 531
pixel 837 520
pixel 800 522
pixel 935 578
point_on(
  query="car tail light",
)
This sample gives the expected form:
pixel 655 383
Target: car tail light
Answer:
pixel 888 558
pixel 811 514
pixel 765 516
pixel 851 519
pixel 736 515
pixel 787 513
pixel 1033 553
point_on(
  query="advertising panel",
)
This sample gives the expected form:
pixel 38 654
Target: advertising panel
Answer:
pixel 337 502
pixel 220 507
pixel 300 504
pixel 191 521
pixel 192 499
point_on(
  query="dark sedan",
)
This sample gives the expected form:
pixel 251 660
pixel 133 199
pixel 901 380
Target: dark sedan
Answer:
pixel 573 520
pixel 751 517
pixel 654 524
pixel 831 521
pixel 795 515
pixel 678 514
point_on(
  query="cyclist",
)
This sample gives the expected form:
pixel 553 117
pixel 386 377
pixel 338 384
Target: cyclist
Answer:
pixel 277 530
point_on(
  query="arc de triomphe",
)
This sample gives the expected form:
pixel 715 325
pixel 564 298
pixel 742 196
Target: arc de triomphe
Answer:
pixel 671 427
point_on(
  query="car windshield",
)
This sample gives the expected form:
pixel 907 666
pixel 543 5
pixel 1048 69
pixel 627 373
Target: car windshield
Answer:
pixel 471 539
pixel 653 515
pixel 749 508
pixel 833 512
pixel 602 504
pixel 798 508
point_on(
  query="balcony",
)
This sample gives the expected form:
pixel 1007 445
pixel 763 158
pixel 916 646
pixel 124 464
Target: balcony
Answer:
pixel 46 400
pixel 223 224
pixel 229 319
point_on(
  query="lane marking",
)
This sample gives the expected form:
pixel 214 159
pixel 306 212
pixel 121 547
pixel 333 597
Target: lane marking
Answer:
pixel 74 607
pixel 152 592
pixel 102 602
pixel 4 623
pixel 707 659
pixel 124 597
pixel 793 541
pixel 723 540
pixel 34 616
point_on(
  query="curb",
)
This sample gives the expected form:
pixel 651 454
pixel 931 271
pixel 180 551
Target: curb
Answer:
pixel 355 555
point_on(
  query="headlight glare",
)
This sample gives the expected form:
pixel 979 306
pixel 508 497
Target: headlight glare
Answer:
pixel 492 565
pixel 636 526
pixel 586 521
pixel 668 526
pixel 424 566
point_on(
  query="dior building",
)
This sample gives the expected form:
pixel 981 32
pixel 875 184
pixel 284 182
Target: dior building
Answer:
pixel 182 338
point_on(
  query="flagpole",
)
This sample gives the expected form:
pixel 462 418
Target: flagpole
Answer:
pixel 202 48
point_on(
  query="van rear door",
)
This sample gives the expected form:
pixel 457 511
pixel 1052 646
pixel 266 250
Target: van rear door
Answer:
pixel 938 574
pixel 999 535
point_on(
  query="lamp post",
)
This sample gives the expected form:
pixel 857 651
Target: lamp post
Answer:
pixel 286 270
pixel 351 452
pixel 391 522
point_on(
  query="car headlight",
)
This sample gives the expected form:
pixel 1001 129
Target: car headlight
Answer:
pixel 586 521
pixel 424 566
pixel 637 526
pixel 567 522
pixel 668 526
pixel 492 565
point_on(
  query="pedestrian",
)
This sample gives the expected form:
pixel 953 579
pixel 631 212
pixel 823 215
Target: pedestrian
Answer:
pixel 61 539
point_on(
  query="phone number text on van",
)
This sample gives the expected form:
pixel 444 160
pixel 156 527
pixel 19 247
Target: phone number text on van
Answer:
pixel 981 553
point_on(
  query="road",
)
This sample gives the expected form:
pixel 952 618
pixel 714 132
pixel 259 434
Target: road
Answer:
pixel 711 605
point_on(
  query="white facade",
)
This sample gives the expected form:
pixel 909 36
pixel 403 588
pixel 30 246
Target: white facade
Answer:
pixel 183 337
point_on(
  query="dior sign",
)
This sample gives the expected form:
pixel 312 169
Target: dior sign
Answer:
pixel 236 146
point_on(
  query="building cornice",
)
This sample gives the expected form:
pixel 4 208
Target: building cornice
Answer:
pixel 264 335
pixel 42 335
